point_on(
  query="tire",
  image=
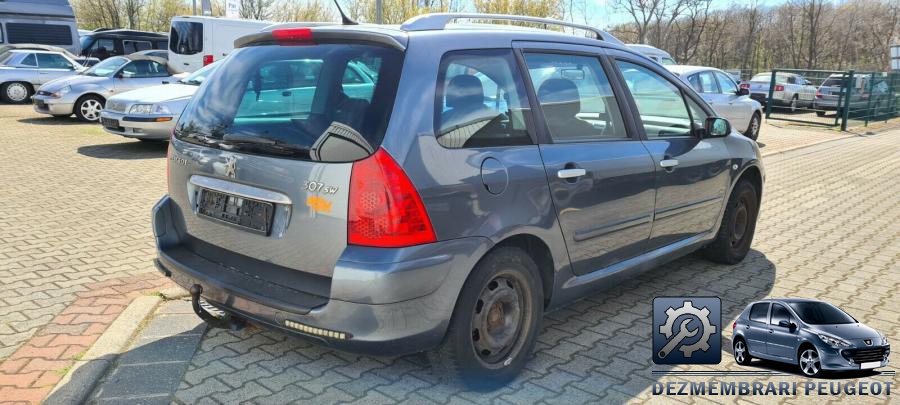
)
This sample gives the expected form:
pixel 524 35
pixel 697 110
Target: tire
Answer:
pixel 752 131
pixel 16 92
pixel 504 293
pixel 809 362
pixel 794 103
pixel 88 107
pixel 62 115
pixel 820 113
pixel 735 234
pixel 742 354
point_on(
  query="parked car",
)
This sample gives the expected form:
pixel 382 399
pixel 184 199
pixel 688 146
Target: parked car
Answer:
pixel 83 61
pixel 791 90
pixel 84 95
pixel 721 92
pixel 438 212
pixel 196 41
pixel 46 22
pixel 814 335
pixel 864 94
pixel 21 71
pixel 105 43
pixel 149 114
pixel 657 55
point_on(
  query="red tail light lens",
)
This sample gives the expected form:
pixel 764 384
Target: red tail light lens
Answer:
pixel 207 59
pixel 293 36
pixel 385 209
pixel 734 325
pixel 745 86
pixel 779 88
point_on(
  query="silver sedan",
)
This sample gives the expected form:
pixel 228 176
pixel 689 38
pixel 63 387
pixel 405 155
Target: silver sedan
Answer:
pixel 22 71
pixel 150 114
pixel 85 94
pixel 723 95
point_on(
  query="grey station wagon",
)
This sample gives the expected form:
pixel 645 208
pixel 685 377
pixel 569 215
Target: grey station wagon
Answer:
pixel 475 177
pixel 814 335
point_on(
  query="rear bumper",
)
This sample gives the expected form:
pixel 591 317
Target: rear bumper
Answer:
pixel 382 301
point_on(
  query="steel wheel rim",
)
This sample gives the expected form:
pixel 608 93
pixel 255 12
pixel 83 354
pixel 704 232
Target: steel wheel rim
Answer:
pixel 739 352
pixel 793 104
pixel 808 362
pixel 497 319
pixel 16 92
pixel 741 222
pixel 90 109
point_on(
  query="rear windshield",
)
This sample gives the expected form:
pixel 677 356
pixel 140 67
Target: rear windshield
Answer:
pixel 821 313
pixel 327 102
pixel 833 81
pixel 767 77
pixel 186 38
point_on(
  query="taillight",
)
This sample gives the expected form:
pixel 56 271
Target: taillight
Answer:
pixel 385 209
pixel 779 88
pixel 819 94
pixel 293 36
pixel 734 325
pixel 207 59
pixel 745 86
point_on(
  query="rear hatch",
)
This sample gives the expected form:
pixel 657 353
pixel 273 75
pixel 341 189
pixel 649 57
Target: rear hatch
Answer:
pixel 831 90
pixel 262 156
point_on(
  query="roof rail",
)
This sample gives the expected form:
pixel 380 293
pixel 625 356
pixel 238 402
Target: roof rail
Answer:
pixel 439 21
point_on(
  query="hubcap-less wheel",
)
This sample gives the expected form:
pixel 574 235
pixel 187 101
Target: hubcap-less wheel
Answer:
pixel 741 222
pixel 753 133
pixel 739 351
pixel 809 362
pixel 90 109
pixel 497 319
pixel 16 92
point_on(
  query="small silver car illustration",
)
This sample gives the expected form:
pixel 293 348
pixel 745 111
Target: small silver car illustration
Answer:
pixel 85 94
pixel 149 114
pixel 815 335
pixel 22 71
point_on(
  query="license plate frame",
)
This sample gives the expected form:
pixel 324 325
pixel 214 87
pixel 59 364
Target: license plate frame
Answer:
pixel 248 214
pixel 110 123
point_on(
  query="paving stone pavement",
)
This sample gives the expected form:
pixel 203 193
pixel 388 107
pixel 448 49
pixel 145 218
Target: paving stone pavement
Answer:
pixel 76 207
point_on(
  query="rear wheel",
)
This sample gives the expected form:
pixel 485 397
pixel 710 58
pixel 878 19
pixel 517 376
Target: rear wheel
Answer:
pixel 794 104
pixel 495 322
pixel 738 226
pixel 16 92
pixel 752 131
pixel 88 108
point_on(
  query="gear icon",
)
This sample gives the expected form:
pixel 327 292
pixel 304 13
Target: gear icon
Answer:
pixel 688 309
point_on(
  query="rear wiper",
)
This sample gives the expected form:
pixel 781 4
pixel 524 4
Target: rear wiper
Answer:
pixel 237 138
pixel 263 142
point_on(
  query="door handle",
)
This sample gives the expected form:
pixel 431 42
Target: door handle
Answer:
pixel 668 163
pixel 746 326
pixel 771 331
pixel 570 173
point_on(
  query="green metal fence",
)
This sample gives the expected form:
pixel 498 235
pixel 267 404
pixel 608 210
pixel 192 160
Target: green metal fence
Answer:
pixel 827 97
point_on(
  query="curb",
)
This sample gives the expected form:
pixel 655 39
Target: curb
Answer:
pixel 783 151
pixel 83 376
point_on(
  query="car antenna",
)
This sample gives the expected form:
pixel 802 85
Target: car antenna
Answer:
pixel 344 19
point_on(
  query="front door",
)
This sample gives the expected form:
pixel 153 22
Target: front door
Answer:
pixel 782 339
pixel 601 176
pixel 692 173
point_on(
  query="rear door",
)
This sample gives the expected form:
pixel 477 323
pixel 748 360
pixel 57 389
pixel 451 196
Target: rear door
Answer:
pixel 692 173
pixel 601 176
pixel 756 329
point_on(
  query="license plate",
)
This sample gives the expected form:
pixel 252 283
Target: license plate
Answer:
pixel 252 215
pixel 866 366
pixel 109 123
pixel 40 103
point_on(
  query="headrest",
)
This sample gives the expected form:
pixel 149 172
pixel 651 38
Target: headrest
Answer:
pixel 560 96
pixel 464 91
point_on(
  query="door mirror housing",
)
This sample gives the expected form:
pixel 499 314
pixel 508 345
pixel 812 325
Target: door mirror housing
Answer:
pixel 717 127
pixel 784 324
pixel 742 91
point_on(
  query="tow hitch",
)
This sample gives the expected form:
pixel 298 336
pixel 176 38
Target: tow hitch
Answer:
pixel 227 322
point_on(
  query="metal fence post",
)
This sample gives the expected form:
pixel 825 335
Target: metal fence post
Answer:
pixel 846 112
pixel 769 97
pixel 869 113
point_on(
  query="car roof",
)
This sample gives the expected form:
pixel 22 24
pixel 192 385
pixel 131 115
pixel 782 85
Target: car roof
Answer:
pixel 690 69
pixel 117 33
pixel 788 300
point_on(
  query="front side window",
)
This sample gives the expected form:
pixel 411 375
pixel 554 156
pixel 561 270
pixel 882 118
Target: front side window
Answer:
pixel 780 313
pixel 759 312
pixel 726 83
pixel 659 102
pixel 291 102
pixel 51 61
pixel 575 96
pixel 144 68
pixel 821 313
pixel 480 100
pixel 186 38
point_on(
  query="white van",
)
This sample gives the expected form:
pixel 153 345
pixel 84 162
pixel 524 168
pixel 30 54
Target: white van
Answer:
pixel 657 55
pixel 196 41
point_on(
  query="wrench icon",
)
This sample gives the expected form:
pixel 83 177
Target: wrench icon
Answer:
pixel 683 333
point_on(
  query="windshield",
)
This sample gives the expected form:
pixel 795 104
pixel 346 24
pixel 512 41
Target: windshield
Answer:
pixel 318 102
pixel 106 68
pixel 186 38
pixel 86 41
pixel 199 76
pixel 821 313
pixel 668 61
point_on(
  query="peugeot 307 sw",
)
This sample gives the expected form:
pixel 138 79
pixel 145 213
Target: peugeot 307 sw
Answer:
pixel 437 186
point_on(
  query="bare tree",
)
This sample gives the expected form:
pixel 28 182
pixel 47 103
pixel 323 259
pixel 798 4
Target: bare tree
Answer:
pixel 257 9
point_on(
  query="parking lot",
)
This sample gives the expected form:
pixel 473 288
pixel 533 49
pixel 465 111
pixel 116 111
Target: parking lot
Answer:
pixel 76 247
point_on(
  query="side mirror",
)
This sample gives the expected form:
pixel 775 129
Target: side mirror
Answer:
pixel 717 127
pixel 743 91
pixel 784 324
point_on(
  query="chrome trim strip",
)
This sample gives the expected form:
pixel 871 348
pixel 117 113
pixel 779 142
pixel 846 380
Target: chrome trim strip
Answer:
pixel 239 190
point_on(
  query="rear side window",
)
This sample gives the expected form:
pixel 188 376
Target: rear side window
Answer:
pixel 575 97
pixel 480 100
pixel 29 60
pixel 726 83
pixel 186 38
pixel 297 102
pixel 759 312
